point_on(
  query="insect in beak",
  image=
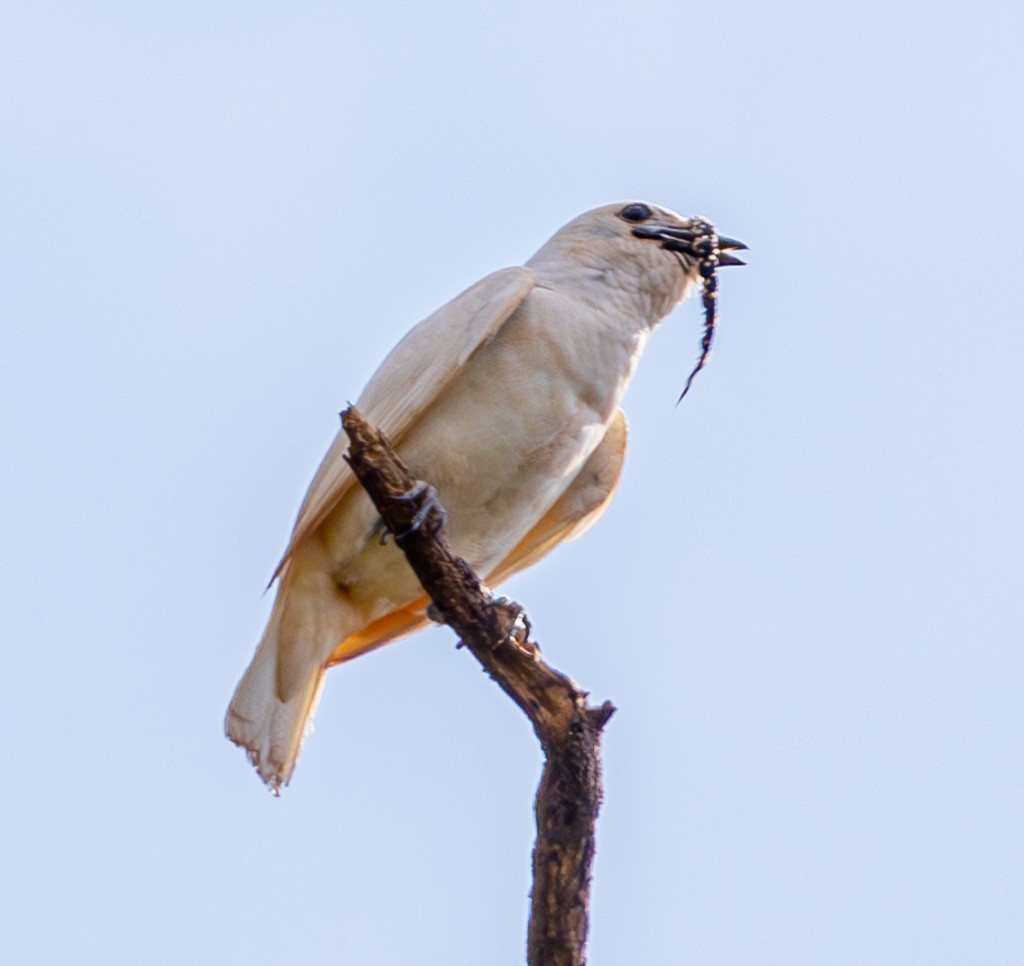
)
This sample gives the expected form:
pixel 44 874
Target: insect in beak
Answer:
pixel 699 241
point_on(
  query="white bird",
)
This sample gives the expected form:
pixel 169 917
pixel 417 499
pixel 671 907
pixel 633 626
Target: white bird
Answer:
pixel 506 400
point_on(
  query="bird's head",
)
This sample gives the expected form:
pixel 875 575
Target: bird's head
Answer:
pixel 636 248
pixel 641 257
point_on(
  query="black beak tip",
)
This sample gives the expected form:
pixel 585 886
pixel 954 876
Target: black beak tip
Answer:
pixel 731 244
pixel 725 259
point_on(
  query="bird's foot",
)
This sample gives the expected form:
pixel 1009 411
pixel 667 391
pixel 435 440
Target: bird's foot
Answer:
pixel 421 491
pixel 518 634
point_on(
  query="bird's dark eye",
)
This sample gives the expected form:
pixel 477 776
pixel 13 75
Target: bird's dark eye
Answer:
pixel 636 212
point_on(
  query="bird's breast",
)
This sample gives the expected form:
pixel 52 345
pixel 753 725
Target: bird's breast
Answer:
pixel 511 432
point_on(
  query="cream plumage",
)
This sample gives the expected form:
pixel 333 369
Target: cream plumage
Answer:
pixel 507 401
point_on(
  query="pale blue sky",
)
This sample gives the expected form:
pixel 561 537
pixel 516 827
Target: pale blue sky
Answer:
pixel 806 600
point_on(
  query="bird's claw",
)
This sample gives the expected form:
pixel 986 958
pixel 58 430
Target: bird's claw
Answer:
pixel 430 502
pixel 519 629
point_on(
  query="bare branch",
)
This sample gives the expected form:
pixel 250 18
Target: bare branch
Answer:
pixel 497 634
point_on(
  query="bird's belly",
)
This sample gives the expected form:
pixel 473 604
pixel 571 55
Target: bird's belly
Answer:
pixel 499 453
pixel 497 476
pixel 500 446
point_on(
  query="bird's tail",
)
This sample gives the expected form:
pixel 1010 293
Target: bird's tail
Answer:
pixel 268 721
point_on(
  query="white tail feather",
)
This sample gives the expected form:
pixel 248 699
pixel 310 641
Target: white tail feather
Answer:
pixel 271 730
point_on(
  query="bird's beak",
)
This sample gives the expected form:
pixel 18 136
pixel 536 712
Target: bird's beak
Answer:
pixel 682 239
pixel 724 258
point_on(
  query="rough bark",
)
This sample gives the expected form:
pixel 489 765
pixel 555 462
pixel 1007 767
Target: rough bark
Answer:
pixel 497 634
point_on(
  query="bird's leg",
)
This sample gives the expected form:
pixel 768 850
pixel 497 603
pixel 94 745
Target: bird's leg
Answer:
pixel 519 629
pixel 519 626
pixel 430 501
pixel 428 497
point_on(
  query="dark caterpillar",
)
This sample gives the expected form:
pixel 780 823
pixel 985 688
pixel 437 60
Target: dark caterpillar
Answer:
pixel 699 241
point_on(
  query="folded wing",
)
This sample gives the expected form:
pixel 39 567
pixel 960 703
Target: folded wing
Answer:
pixel 415 373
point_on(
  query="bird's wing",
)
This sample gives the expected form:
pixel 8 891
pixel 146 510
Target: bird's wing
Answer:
pixel 415 373
pixel 577 509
